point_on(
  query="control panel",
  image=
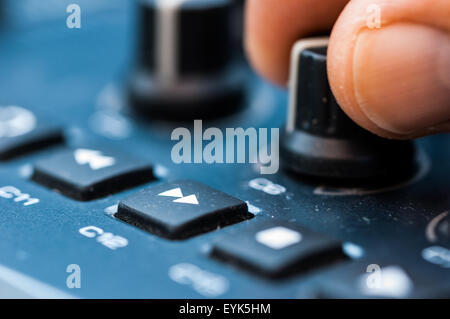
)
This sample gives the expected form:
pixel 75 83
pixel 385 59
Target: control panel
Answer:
pixel 141 157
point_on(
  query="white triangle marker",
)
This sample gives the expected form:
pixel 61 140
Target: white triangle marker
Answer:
pixel 175 192
pixel 191 199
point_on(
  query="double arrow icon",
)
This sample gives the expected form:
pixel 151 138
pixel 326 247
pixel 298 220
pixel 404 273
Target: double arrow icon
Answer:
pixel 176 192
pixel 95 159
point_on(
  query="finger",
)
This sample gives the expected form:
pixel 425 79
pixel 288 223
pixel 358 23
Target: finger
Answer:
pixel 272 27
pixel 393 80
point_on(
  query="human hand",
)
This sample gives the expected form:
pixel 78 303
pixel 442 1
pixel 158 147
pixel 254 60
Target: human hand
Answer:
pixel 392 79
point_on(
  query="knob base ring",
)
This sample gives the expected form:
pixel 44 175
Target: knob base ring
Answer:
pixel 373 159
pixel 190 98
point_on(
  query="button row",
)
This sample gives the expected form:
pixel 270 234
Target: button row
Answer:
pixel 175 210
pixel 181 209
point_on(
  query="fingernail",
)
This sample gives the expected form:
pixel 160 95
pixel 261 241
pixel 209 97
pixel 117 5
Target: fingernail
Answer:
pixel 402 77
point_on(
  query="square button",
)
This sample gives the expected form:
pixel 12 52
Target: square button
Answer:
pixel 86 174
pixel 364 279
pixel 21 131
pixel 277 249
pixel 181 209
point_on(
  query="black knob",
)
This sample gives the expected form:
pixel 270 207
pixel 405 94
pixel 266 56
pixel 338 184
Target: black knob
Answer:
pixel 443 228
pixel 185 59
pixel 321 140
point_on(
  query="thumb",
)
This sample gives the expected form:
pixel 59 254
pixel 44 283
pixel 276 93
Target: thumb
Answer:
pixel 393 77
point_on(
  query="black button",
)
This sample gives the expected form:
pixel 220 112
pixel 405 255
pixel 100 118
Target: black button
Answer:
pixel 85 174
pixel 276 249
pixel 21 132
pixel 181 209
pixel 366 279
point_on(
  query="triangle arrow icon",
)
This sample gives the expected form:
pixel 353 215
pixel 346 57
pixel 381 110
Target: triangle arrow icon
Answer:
pixel 191 199
pixel 175 192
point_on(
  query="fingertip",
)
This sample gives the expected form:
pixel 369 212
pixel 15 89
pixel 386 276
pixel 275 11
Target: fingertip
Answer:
pixel 261 43
pixel 271 29
pixel 387 80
